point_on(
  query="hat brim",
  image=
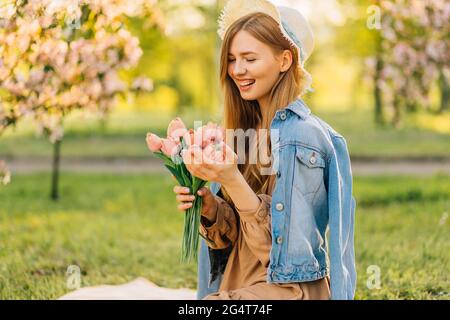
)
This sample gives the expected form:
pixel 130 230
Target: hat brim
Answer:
pixel 236 9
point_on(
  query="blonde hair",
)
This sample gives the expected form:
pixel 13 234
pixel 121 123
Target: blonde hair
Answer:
pixel 242 114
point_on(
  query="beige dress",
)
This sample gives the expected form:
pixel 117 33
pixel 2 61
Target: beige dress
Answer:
pixel 249 232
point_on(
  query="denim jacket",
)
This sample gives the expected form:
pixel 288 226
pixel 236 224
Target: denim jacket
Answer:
pixel 312 194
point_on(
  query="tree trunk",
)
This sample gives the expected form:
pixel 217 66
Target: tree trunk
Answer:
pixel 55 170
pixel 445 93
pixel 397 116
pixel 378 95
pixel 379 119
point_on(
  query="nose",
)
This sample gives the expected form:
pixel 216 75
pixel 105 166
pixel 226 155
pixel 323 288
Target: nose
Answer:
pixel 239 69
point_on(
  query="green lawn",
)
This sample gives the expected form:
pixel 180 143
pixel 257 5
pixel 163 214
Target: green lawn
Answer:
pixel 411 140
pixel 118 227
pixel 125 134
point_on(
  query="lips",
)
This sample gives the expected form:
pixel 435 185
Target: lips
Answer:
pixel 246 85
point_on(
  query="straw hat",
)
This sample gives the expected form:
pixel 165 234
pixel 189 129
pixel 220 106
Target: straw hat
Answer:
pixel 292 23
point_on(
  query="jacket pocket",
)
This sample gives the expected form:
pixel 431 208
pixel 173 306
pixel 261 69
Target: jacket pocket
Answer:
pixel 309 170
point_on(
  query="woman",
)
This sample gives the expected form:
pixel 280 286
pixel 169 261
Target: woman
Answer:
pixel 265 233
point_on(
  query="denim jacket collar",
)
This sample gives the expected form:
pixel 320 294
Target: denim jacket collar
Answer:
pixel 298 107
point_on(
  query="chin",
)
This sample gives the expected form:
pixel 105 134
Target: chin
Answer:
pixel 248 96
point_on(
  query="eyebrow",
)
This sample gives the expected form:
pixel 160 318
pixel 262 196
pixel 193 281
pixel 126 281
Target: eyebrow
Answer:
pixel 243 53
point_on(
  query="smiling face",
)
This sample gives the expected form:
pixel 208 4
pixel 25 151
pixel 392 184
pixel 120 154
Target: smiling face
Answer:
pixel 254 66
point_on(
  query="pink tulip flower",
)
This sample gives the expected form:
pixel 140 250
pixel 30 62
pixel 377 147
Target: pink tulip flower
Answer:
pixel 154 142
pixel 188 137
pixel 176 129
pixel 212 133
pixel 169 147
pixel 219 151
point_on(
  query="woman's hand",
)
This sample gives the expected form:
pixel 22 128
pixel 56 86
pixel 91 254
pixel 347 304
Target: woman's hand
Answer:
pixel 185 200
pixel 218 164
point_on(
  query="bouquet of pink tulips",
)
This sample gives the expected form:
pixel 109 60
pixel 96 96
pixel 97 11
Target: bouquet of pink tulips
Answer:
pixel 210 139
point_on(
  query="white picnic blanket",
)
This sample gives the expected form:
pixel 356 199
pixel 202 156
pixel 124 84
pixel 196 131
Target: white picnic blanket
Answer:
pixel 138 289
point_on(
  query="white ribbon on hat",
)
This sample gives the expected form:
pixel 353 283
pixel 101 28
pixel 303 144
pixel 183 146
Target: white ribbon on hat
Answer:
pixel 296 40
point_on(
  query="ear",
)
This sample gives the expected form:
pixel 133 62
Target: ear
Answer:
pixel 286 60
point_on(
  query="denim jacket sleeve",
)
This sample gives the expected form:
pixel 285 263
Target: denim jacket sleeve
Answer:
pixel 341 211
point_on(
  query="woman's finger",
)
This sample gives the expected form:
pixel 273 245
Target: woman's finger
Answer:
pixel 198 156
pixel 203 191
pixel 184 206
pixel 181 190
pixel 207 196
pixel 185 198
pixel 229 156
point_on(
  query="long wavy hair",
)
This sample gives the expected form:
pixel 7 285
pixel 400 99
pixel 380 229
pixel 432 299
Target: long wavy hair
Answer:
pixel 242 114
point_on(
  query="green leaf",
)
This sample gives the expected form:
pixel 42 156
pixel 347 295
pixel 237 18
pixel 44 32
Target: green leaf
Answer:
pixel 182 169
pixel 167 160
pixel 176 174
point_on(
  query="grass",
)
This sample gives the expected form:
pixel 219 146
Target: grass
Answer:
pixel 124 136
pixel 119 227
pixel 411 140
pixel 114 228
pixel 402 227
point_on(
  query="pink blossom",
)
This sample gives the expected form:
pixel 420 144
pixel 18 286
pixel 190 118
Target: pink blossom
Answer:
pixel 154 143
pixel 142 84
pixel 112 83
pixel 78 74
pixel 188 137
pixel 36 77
pixel 176 129
pixel 221 151
pixel 169 147
pixel 210 133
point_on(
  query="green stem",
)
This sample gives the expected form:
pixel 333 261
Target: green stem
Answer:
pixel 191 232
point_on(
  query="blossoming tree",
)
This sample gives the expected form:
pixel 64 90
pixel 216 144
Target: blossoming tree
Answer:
pixel 57 56
pixel 414 53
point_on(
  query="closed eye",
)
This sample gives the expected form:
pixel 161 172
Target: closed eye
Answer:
pixel 248 60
